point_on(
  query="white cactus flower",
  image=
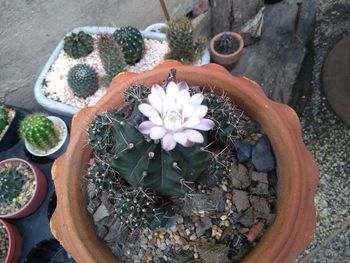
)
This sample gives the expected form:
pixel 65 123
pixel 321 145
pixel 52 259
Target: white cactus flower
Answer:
pixel 174 116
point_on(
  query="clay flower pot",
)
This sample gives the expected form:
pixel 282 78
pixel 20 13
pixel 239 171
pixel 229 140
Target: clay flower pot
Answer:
pixel 15 243
pixel 226 60
pixel 38 195
pixel 294 225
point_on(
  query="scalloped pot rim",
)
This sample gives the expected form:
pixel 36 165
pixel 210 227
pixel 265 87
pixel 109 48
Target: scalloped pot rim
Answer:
pixel 295 223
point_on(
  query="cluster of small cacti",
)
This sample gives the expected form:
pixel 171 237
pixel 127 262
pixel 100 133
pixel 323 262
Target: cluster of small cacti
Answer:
pixel 137 209
pixel 78 45
pixel 39 131
pixel 11 182
pixel 3 119
pixel 82 79
pixel 181 41
pixel 103 176
pixel 111 56
pixel 227 117
pixel 131 42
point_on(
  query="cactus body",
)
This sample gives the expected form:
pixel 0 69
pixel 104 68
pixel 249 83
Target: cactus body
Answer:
pixel 82 79
pixel 3 119
pixel 111 56
pixel 39 131
pixel 226 44
pixel 131 42
pixel 78 45
pixel 181 41
pixel 104 177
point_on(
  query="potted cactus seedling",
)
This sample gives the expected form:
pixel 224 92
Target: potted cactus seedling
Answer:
pixel 8 126
pixel 23 187
pixel 44 135
pixel 226 48
pixel 10 243
pixel 158 160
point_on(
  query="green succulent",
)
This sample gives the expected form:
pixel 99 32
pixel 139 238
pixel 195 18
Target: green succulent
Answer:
pixel 39 131
pixel 82 79
pixel 181 41
pixel 111 56
pixel 78 45
pixel 11 183
pixel 131 42
pixel 3 119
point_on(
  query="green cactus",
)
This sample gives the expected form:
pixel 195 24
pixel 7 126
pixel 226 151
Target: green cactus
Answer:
pixel 181 41
pixel 82 79
pixel 143 163
pixel 39 131
pixel 3 119
pixel 111 56
pixel 103 176
pixel 226 44
pixel 11 182
pixel 78 45
pixel 131 42
pixel 137 209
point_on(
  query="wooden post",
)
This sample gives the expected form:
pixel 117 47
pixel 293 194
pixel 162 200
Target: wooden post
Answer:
pixel 165 10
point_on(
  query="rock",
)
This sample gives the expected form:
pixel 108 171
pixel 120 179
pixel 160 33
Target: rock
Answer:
pixel 244 151
pixel 239 176
pixel 240 199
pixel 259 177
pixel 200 7
pixel 260 205
pixel 213 253
pixel 262 155
pixel 100 213
pixel 102 231
pixel 247 218
pixel 251 31
pixel 203 225
pixel 91 190
pixel 221 206
pixel 260 189
pixel 93 205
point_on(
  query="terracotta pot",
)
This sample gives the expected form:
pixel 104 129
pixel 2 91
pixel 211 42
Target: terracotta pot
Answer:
pixel 39 194
pixel 228 60
pixel 294 225
pixel 15 246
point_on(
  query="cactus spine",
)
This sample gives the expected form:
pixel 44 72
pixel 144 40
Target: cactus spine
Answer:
pixel 39 131
pixel 111 56
pixel 131 42
pixel 181 41
pixel 78 45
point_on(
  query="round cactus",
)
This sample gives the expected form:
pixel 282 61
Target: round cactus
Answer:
pixel 11 182
pixel 78 45
pixel 3 119
pixel 82 79
pixel 131 42
pixel 39 131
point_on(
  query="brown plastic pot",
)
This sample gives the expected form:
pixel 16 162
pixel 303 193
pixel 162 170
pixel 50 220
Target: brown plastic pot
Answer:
pixel 226 60
pixel 294 225
pixel 38 196
pixel 15 243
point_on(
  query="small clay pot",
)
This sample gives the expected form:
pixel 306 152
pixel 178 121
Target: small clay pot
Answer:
pixel 38 196
pixel 226 60
pixel 15 244
pixel 297 171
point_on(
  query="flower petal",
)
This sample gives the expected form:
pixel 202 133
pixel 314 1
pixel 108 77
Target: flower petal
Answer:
pixel 204 125
pixel 196 99
pixel 146 126
pixel 180 137
pixel 168 142
pixel 156 102
pixel 187 111
pixel 183 97
pixel 172 89
pixel 157 89
pixel 147 109
pixel 157 133
pixel 194 136
pixel 200 111
pixel 156 119
pixel 182 85
pixel 192 121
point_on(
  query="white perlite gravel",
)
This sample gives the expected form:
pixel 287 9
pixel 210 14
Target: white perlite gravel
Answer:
pixel 56 79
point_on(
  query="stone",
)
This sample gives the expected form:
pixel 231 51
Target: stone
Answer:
pixel 93 205
pixel 260 205
pixel 200 7
pixel 203 225
pixel 221 206
pixel 260 177
pixel 213 253
pixel 101 213
pixel 244 151
pixel 252 30
pixel 247 218
pixel 240 199
pixel 260 189
pixel 262 156
pixel 239 176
